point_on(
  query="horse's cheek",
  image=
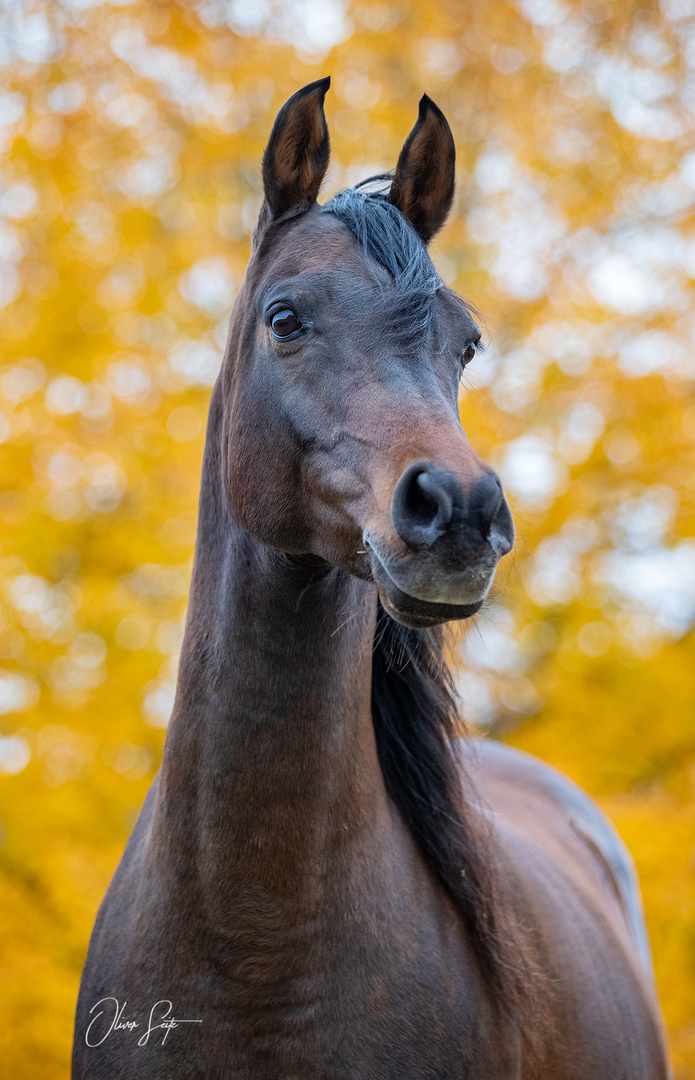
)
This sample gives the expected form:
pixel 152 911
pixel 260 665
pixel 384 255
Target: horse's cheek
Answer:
pixel 265 478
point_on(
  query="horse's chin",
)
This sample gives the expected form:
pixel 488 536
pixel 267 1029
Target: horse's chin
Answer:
pixel 410 610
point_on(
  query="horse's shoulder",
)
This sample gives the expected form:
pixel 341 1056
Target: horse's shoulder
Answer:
pixel 491 762
pixel 522 787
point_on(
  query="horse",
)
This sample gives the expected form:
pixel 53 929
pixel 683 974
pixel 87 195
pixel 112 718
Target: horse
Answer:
pixel 328 880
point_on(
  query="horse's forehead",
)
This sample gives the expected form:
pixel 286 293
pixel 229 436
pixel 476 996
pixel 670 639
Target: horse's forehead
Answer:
pixel 315 242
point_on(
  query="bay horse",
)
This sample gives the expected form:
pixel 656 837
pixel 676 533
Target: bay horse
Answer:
pixel 326 882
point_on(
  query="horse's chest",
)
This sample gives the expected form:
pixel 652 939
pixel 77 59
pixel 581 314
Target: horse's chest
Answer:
pixel 311 1034
pixel 252 1006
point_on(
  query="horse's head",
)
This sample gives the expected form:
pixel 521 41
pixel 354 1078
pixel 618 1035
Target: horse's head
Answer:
pixel 341 378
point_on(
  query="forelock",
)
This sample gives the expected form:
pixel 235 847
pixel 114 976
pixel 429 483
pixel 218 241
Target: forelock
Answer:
pixel 384 234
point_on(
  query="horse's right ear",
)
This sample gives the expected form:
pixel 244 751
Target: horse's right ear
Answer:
pixel 296 157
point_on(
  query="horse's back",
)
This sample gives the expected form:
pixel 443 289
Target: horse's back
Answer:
pixel 572 882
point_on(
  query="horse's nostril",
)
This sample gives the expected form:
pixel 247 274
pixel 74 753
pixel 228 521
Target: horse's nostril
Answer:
pixel 419 503
pixel 484 502
pixel 423 504
pixel 433 491
pixel 429 502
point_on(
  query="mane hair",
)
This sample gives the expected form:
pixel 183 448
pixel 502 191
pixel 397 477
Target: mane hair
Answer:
pixel 415 707
pixel 385 235
pixel 417 724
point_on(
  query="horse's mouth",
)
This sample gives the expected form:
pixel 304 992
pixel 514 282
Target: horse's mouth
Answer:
pixel 411 611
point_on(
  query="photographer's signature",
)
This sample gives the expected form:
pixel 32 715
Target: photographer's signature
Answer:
pixel 111 1018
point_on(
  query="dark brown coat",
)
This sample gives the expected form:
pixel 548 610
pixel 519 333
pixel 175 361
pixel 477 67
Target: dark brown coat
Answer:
pixel 312 890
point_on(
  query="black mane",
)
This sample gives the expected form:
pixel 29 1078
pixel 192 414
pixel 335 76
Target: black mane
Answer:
pixel 387 237
pixel 415 706
pixel 417 725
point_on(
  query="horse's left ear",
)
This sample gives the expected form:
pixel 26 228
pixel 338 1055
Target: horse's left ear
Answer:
pixel 296 157
pixel 423 184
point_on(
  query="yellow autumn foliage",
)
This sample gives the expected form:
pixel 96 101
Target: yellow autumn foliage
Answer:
pixel 129 187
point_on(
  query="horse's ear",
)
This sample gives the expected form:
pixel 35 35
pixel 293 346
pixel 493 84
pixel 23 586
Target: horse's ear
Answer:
pixel 423 183
pixel 296 157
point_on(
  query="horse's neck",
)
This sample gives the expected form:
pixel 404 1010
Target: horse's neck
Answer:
pixel 270 779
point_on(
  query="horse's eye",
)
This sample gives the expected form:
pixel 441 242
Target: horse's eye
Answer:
pixel 285 323
pixel 469 354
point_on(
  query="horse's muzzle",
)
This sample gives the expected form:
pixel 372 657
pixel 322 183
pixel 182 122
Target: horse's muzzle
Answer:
pixel 451 540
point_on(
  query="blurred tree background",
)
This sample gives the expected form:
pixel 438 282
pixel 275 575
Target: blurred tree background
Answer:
pixel 129 186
